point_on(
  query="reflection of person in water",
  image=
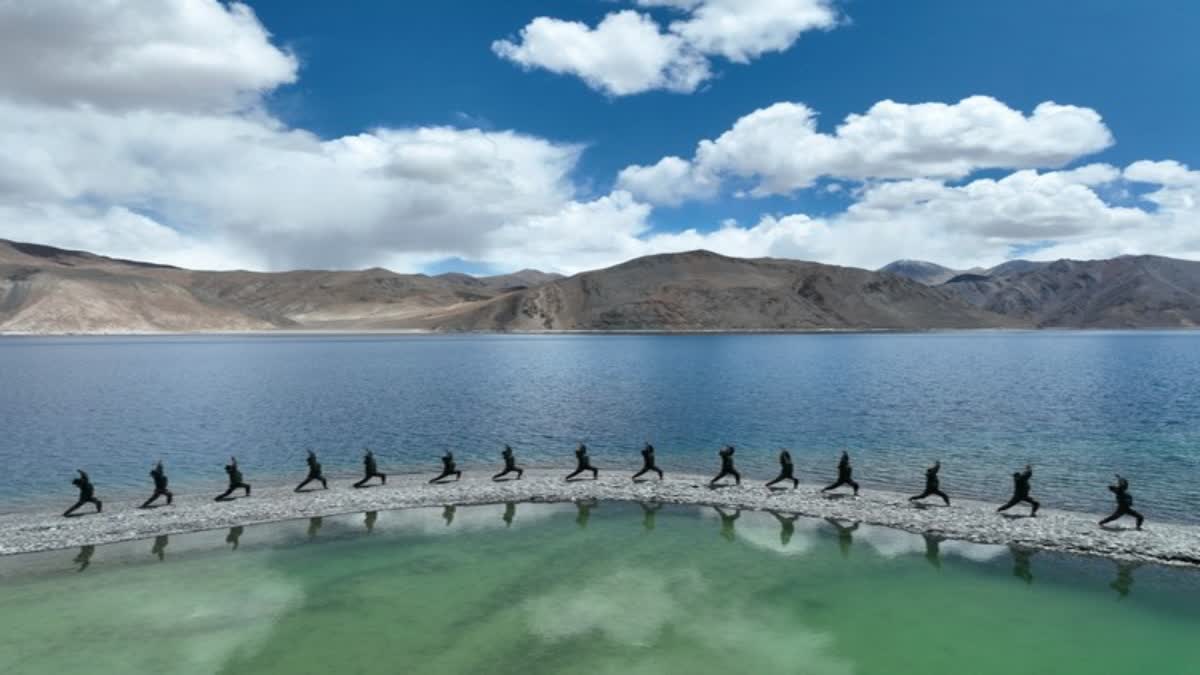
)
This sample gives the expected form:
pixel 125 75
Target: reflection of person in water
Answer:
pixel 159 474
pixel 1021 569
pixel 369 519
pixel 510 512
pixel 933 549
pixel 932 485
pixel 787 470
pixel 583 512
pixel 234 537
pixel 87 493
pixel 370 470
pixel 1124 503
pixel 845 475
pixel 510 464
pixel 314 473
pixel 787 526
pixel 845 535
pixel 84 557
pixel 727 520
pixel 448 513
pixel 160 547
pixel 648 514
pixel 1021 491
pixel 727 468
pixel 1124 581
pixel 583 463
pixel 314 526
pixel 449 468
pixel 235 480
pixel 648 463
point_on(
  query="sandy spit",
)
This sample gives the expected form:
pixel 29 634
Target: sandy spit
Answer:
pixel 1166 543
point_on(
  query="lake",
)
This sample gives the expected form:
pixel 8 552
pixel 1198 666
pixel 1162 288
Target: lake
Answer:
pixel 1079 405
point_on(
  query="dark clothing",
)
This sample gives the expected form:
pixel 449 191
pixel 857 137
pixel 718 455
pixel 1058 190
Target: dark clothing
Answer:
pixel 510 465
pixel 727 468
pixel 234 537
pixel 845 475
pixel 370 470
pixel 648 464
pixel 1124 504
pixel 786 471
pixel 448 469
pixel 932 486
pixel 87 494
pixel 583 463
pixel 160 486
pixel 314 474
pixel 235 482
pixel 1021 492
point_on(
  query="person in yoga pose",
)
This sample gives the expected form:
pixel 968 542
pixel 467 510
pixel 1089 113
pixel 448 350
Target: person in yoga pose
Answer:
pixel 235 536
pixel 727 520
pixel 727 469
pixel 786 470
pixel 449 468
pixel 1124 503
pixel 160 486
pixel 845 535
pixel 370 470
pixel 787 526
pixel 648 464
pixel 235 480
pixel 932 485
pixel 510 464
pixel 583 463
pixel 845 475
pixel 87 494
pixel 314 473
pixel 1021 491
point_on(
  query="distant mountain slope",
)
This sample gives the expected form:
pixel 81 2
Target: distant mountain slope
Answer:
pixel 700 290
pixel 930 274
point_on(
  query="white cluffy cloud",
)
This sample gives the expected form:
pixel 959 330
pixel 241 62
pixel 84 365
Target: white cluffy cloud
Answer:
pixel 780 150
pixel 628 52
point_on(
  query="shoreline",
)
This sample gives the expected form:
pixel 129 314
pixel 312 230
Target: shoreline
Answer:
pixel 1062 531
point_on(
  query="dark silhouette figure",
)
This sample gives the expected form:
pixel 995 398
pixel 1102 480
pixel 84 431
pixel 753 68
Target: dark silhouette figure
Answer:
pixel 932 485
pixel 583 463
pixel 314 526
pixel 845 475
pixel 648 514
pixel 369 519
pixel 160 547
pixel 449 468
pixel 234 537
pixel 84 557
pixel 1021 491
pixel 510 464
pixel 786 470
pixel 1021 568
pixel 510 512
pixel 448 513
pixel 1124 503
pixel 87 494
pixel 235 480
pixel 370 470
pixel 583 513
pixel 160 486
pixel 727 469
pixel 845 535
pixel 314 473
pixel 787 526
pixel 933 549
pixel 728 532
pixel 648 464
pixel 1124 581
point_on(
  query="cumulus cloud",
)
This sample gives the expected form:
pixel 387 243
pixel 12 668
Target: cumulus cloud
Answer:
pixel 628 52
pixel 780 149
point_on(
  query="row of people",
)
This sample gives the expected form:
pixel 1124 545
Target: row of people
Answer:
pixel 583 464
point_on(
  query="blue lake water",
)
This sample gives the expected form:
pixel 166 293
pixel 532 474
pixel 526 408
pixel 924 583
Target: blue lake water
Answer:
pixel 1079 405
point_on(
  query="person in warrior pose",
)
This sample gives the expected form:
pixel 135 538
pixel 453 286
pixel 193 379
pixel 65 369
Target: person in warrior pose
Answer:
pixel 583 463
pixel 510 464
pixel 160 547
pixel 449 468
pixel 787 526
pixel 87 493
pixel 369 519
pixel 235 480
pixel 314 473
pixel 648 464
pixel 845 475
pixel 845 535
pixel 510 512
pixel 160 486
pixel 727 519
pixel 1124 503
pixel 727 469
pixel 932 485
pixel 84 557
pixel 234 537
pixel 370 470
pixel 1021 491
pixel 648 514
pixel 786 470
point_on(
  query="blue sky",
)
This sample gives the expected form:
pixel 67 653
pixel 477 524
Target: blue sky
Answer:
pixel 413 81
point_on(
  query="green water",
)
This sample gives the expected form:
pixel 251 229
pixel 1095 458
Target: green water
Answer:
pixel 608 591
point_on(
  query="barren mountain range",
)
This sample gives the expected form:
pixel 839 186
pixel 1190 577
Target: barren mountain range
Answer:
pixel 50 290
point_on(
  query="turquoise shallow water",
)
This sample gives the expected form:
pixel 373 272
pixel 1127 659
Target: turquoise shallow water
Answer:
pixel 607 588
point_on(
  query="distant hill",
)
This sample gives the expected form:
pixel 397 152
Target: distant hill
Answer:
pixel 930 274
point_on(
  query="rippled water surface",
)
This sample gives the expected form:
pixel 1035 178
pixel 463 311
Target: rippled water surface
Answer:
pixel 1079 405
pixel 603 588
